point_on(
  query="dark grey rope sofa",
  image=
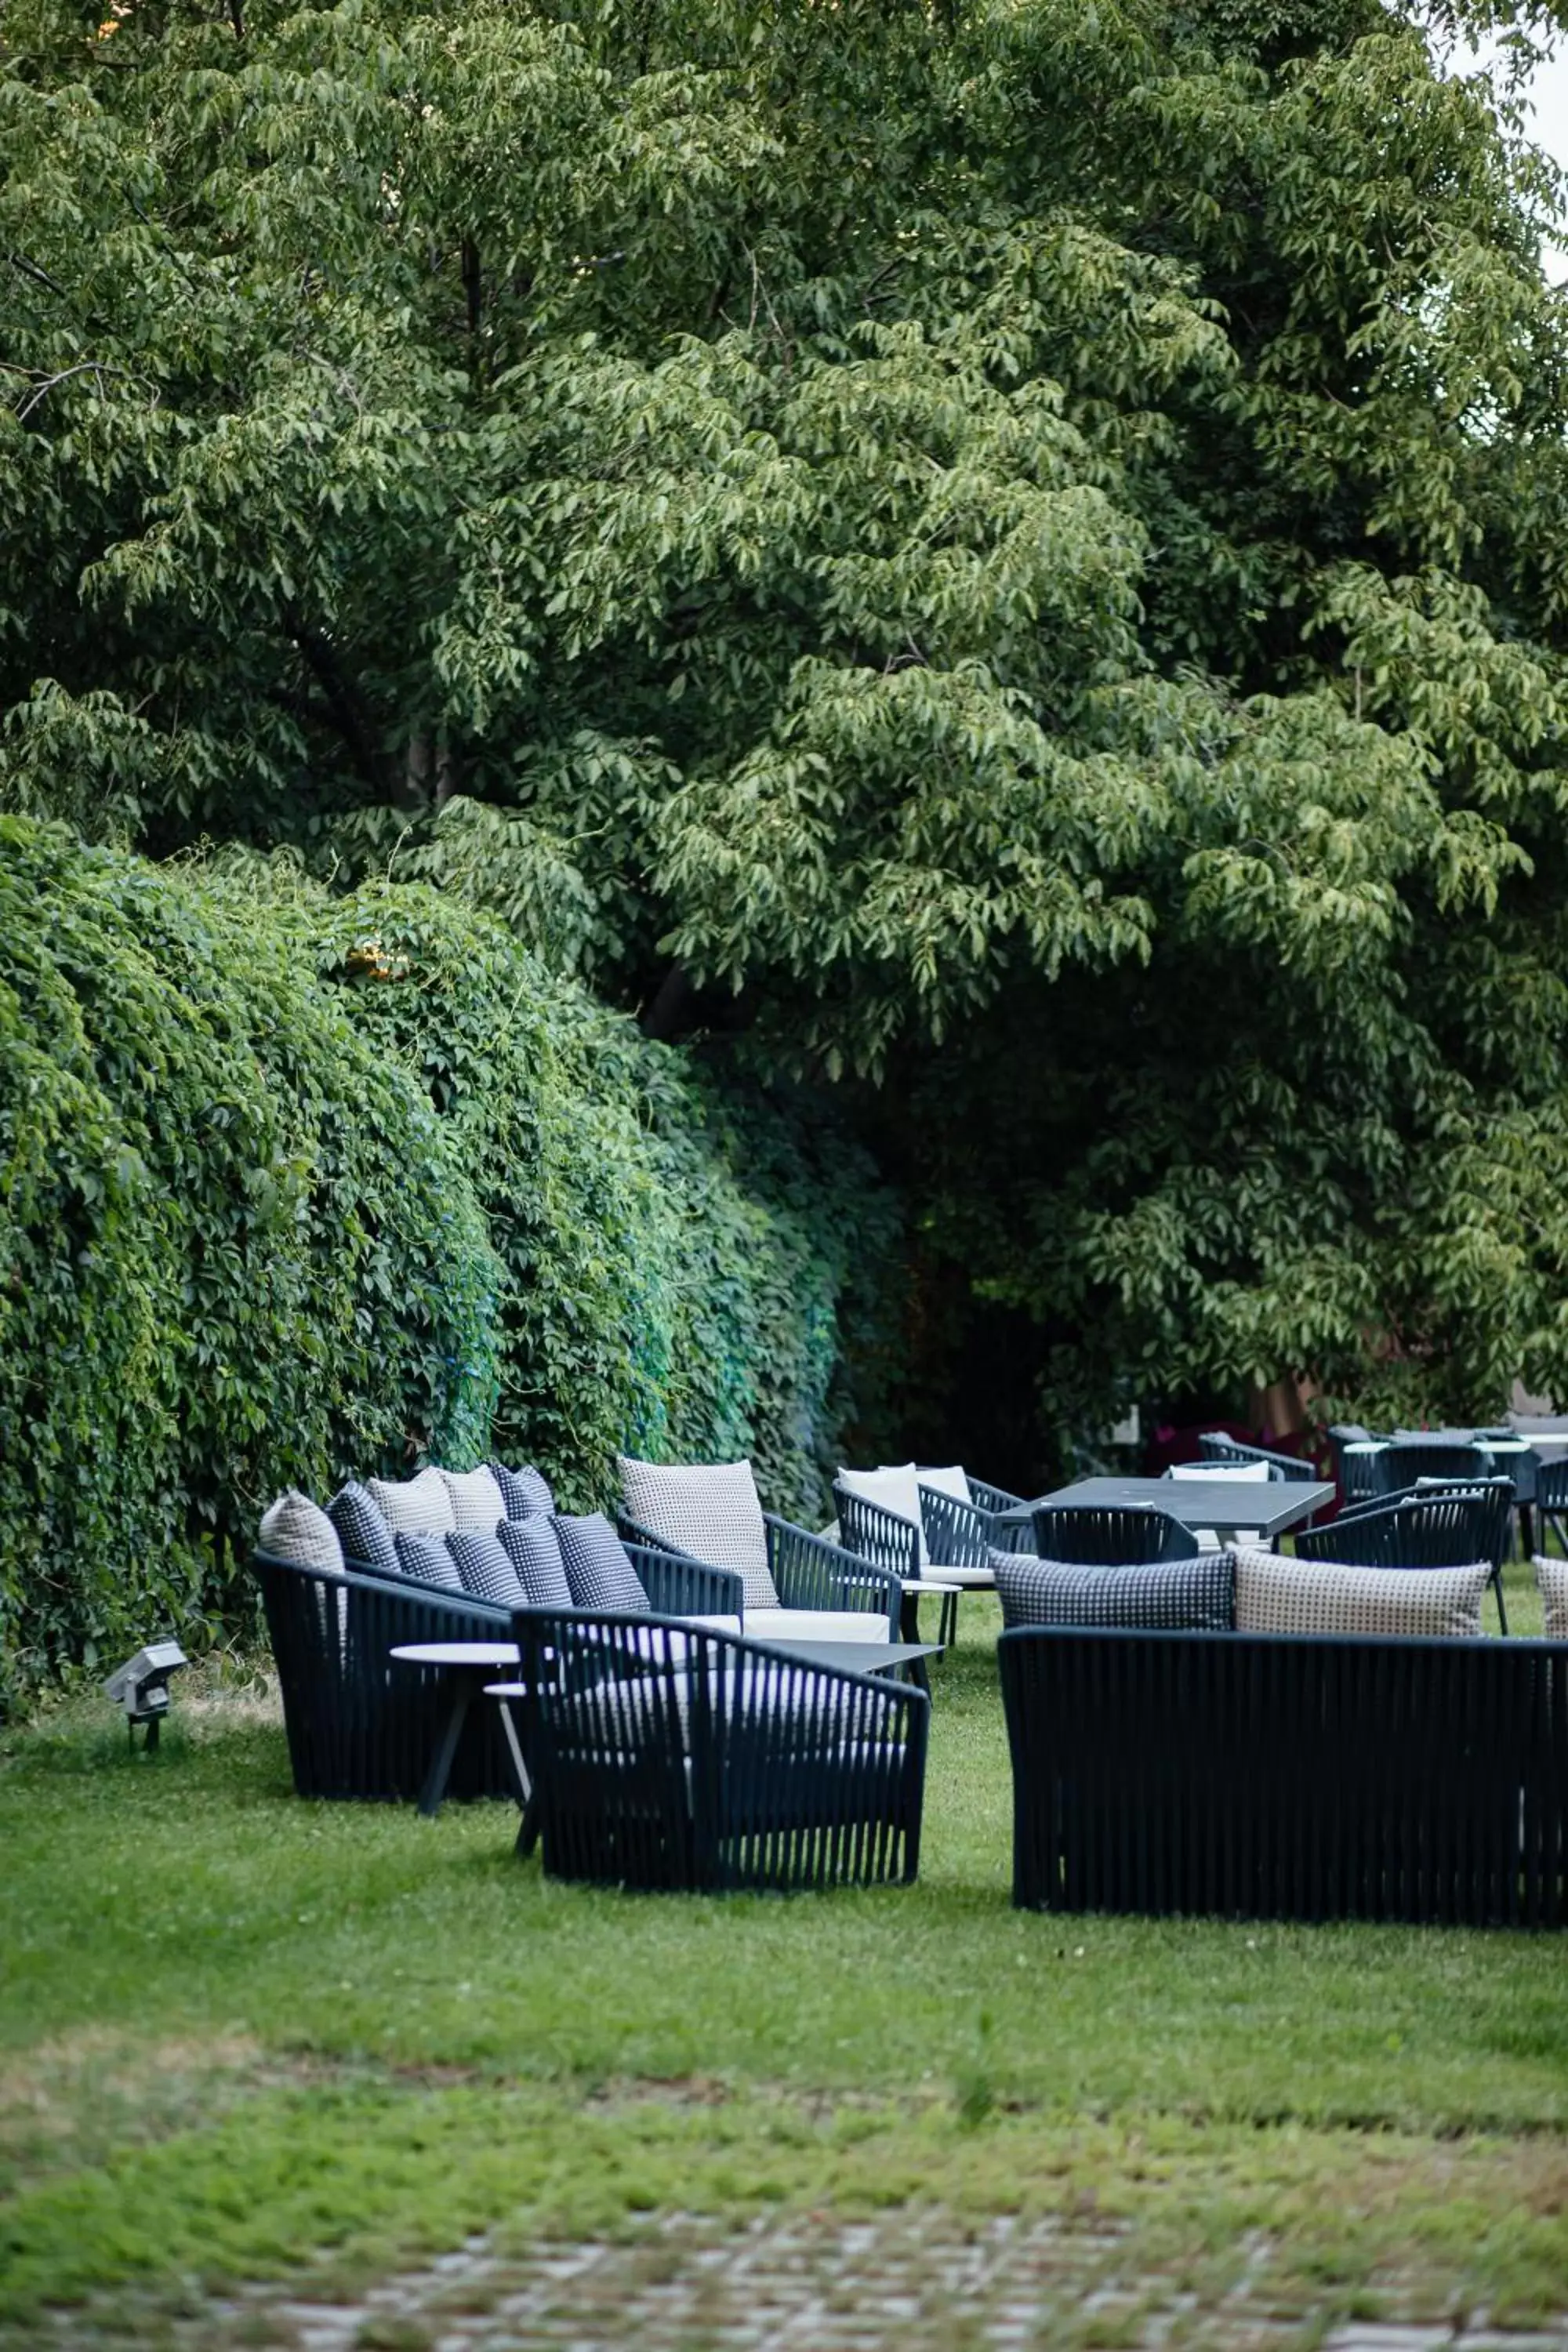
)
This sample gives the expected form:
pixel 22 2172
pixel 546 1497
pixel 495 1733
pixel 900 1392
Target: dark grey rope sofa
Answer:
pixel 361 1724
pixel 1288 1776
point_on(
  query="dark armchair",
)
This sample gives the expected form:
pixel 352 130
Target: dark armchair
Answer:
pixel 680 1758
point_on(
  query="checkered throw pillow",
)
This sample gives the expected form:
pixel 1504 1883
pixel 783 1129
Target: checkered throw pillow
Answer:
pixel 365 1536
pixel 486 1570
pixel 1171 1596
pixel 297 1529
pixel 709 1511
pixel 427 1560
pixel 476 1499
pixel 1551 1581
pixel 415 1507
pixel 1319 1596
pixel 598 1568
pixel 523 1492
pixel 533 1548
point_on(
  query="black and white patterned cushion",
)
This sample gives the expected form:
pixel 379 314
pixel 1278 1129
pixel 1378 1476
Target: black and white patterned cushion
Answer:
pixel 523 1492
pixel 1274 1595
pixel 297 1529
pixel 362 1531
pixel 533 1548
pixel 487 1572
pixel 415 1507
pixel 1171 1595
pixel 597 1567
pixel 1552 1582
pixel 476 1499
pixel 708 1510
pixel 427 1559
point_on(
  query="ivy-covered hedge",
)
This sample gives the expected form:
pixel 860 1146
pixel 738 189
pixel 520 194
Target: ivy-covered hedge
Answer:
pixel 293 1185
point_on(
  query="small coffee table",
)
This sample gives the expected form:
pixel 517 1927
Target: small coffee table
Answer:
pixel 469 1666
pixel 863 1657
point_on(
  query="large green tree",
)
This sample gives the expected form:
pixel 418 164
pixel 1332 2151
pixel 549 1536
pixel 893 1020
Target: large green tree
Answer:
pixel 1008 556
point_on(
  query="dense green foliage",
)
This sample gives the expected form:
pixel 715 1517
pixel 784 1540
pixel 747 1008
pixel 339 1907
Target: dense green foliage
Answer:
pixel 293 1186
pixel 1015 546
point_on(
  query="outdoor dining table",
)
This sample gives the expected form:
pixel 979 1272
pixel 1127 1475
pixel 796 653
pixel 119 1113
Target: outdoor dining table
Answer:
pixel 1265 1507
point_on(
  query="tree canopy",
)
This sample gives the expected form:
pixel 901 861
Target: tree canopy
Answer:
pixel 1008 556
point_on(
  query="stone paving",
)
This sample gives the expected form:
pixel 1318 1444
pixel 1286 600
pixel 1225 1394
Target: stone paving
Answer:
pixel 921 2279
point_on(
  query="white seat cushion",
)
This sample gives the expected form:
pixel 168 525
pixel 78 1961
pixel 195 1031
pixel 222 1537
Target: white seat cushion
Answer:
pixel 417 1507
pixel 1235 1473
pixel 895 1489
pixel 710 1510
pixel 816 1625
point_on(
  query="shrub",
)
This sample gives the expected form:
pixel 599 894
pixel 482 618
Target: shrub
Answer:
pixel 293 1186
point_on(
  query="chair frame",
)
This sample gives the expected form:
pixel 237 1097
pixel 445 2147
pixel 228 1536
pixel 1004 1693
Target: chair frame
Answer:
pixel 717 1763
pixel 1219 1448
pixel 1111 1534
pixel 1290 1777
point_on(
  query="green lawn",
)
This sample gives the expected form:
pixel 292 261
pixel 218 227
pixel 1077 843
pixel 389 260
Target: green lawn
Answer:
pixel 238 2033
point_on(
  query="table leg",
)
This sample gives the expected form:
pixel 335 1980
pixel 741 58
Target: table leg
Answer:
pixel 440 1772
pixel 514 1748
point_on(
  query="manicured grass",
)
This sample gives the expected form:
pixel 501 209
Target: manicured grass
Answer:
pixel 234 2029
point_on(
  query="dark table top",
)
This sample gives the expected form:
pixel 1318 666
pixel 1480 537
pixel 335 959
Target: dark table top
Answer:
pixel 1268 1505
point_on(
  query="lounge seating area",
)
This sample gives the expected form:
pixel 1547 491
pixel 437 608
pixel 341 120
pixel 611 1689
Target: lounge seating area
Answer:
pixel 705 1695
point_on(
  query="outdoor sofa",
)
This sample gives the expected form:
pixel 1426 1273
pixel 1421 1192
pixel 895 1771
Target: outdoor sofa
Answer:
pixel 361 1724
pixel 651 1745
pixel 1256 1737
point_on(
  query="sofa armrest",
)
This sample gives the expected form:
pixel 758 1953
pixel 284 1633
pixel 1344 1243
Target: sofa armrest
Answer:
pixel 679 1587
pixel 809 1572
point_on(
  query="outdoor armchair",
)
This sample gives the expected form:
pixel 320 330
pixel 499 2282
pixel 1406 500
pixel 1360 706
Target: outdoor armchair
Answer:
pixel 1405 1460
pixel 1219 1447
pixel 1095 1535
pixel 807 1572
pixel 1449 1528
pixel 1551 1501
pixel 961 1534
pixel 682 1758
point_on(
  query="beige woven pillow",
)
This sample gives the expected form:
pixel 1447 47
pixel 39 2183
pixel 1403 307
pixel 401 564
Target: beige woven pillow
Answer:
pixel 1551 1581
pixel 710 1510
pixel 477 1501
pixel 415 1506
pixel 1318 1596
